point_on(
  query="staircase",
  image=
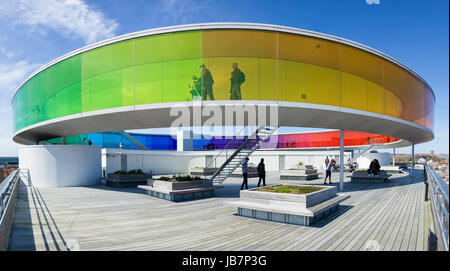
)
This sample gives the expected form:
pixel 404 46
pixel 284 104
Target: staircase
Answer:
pixel 237 157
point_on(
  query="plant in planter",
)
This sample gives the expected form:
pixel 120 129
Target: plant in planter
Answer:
pixel 133 171
pixel 299 164
pixel 180 178
pixel 290 189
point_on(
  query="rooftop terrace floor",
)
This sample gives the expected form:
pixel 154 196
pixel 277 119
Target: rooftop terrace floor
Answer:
pixel 376 217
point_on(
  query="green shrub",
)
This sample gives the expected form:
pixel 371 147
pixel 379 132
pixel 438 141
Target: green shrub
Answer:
pixel 180 178
pixel 133 171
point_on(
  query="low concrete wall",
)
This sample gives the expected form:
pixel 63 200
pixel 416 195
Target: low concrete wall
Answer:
pixel 61 165
pixel 175 162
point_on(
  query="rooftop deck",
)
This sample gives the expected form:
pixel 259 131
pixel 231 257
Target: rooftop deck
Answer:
pixel 376 217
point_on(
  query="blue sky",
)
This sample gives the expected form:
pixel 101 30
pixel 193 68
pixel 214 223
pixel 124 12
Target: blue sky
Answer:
pixel 34 32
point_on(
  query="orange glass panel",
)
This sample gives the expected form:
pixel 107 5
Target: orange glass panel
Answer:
pixel 308 50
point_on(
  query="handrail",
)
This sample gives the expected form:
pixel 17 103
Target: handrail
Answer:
pixel 8 193
pixel 5 190
pixel 439 198
pixel 241 147
pixel 224 148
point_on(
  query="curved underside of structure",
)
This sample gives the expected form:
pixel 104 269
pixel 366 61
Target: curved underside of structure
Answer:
pixel 312 79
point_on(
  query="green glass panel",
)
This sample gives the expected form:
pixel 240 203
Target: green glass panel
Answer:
pixel 165 65
pixel 64 88
pixel 36 98
pixel 148 85
pixel 107 77
pixel 166 47
pixel 177 76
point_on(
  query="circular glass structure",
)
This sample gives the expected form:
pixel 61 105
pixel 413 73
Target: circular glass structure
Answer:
pixel 317 80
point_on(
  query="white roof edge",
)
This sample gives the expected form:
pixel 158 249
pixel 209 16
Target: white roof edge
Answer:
pixel 222 25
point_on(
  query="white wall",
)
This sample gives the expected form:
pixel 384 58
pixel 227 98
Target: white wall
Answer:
pixel 384 158
pixel 61 165
pixel 176 162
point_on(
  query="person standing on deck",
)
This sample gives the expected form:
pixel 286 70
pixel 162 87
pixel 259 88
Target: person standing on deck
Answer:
pixel 245 173
pixel 262 172
pixel 237 78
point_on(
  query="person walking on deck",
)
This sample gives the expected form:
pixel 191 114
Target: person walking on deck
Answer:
pixel 262 172
pixel 245 174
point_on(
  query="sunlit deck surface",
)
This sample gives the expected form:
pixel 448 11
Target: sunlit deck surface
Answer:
pixel 376 216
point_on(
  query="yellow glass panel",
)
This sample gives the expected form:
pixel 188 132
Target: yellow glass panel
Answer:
pixel 321 85
pixel 375 98
pixel 353 91
pixel 268 79
pixel 239 43
pixel 308 50
pixel 392 105
pixel 221 68
pixel 291 81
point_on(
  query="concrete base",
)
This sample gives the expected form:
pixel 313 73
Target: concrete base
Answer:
pixel 193 195
pixel 252 173
pixel 295 209
pixel 202 171
pixel 299 174
pixel 127 180
pixel 287 218
pixel 181 191
pixel 61 165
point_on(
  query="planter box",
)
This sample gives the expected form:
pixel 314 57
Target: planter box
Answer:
pixel 298 209
pixel 299 174
pixel 301 201
pixel 180 191
pixel 138 177
pixel 182 185
pixel 127 180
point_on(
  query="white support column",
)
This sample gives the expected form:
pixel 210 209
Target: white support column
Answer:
pixel 341 161
pixel 393 159
pixel 412 160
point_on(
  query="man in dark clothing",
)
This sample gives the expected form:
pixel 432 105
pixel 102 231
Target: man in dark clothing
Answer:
pixel 245 174
pixel 374 167
pixel 262 172
pixel 207 83
pixel 237 78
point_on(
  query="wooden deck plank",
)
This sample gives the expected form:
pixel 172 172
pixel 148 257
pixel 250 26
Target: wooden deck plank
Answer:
pixel 104 218
pixel 381 224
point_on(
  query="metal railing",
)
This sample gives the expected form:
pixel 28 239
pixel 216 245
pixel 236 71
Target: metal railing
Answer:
pixel 438 190
pixel 8 193
pixel 230 145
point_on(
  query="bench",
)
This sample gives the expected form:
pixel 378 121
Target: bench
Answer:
pixel 363 177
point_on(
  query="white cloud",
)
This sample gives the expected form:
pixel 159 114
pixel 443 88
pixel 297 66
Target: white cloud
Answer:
pixel 7 53
pixel 11 75
pixel 68 17
pixel 182 11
